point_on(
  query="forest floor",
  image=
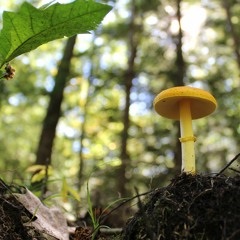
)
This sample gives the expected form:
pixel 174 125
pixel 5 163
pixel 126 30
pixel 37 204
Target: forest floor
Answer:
pixel 190 207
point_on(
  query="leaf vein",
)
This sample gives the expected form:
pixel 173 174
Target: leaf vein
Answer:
pixel 16 30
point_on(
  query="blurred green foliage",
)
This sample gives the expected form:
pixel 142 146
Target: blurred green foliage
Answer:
pixel 211 65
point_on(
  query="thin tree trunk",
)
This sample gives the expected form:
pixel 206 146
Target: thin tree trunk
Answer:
pixel 180 60
pixel 81 157
pixel 179 81
pixel 89 91
pixel 129 75
pixel 233 33
pixel 53 114
pixel 80 174
pixel 83 133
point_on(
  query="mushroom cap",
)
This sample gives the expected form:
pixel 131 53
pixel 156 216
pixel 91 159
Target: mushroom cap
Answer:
pixel 202 103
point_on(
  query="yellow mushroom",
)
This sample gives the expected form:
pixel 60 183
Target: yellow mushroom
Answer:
pixel 185 104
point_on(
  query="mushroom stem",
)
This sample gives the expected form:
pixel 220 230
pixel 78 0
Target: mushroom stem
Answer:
pixel 187 139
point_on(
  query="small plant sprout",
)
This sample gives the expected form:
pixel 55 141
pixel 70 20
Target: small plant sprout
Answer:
pixel 185 104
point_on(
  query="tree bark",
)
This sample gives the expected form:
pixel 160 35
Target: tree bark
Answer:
pixel 53 114
pixel 179 81
pixel 129 75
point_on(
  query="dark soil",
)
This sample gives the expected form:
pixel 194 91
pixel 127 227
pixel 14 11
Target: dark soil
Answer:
pixel 191 207
pixel 11 216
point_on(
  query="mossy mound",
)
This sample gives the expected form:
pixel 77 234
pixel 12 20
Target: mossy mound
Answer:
pixel 191 207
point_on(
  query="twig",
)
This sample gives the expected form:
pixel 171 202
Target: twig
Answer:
pixel 121 204
pixel 110 231
pixel 235 170
pixel 230 163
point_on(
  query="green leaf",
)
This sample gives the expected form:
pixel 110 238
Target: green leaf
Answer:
pixel 41 172
pixel 68 189
pixel 74 193
pixel 36 167
pixel 30 27
pixel 38 176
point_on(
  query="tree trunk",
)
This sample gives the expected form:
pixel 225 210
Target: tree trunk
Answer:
pixel 232 32
pixel 83 131
pixel 180 60
pixel 93 51
pixel 129 75
pixel 179 81
pixel 53 114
